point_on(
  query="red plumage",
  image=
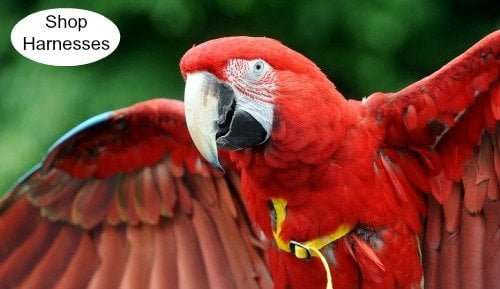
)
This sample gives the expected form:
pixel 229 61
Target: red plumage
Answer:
pixel 126 201
pixel 370 163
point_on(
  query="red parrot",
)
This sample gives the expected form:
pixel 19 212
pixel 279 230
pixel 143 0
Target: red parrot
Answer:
pixel 347 194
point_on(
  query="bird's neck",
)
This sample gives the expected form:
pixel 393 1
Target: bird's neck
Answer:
pixel 301 146
pixel 297 159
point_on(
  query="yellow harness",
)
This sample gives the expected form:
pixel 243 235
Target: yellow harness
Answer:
pixel 306 250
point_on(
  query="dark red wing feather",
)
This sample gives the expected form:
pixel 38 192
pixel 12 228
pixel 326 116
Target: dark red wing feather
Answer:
pixel 446 128
pixel 126 201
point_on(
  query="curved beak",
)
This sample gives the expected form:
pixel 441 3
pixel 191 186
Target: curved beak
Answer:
pixel 201 103
pixel 217 116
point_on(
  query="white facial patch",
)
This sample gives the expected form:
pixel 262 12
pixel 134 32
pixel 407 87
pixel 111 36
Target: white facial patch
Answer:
pixel 243 75
pixel 262 111
pixel 254 84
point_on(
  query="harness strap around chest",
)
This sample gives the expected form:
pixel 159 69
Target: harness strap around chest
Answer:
pixel 308 249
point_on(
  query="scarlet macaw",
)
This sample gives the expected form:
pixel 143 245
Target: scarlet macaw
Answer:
pixel 337 187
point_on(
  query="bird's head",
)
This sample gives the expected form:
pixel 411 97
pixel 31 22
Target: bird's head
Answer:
pixel 237 88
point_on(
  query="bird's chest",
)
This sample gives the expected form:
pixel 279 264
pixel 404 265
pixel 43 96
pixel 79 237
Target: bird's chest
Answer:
pixel 305 239
pixel 300 213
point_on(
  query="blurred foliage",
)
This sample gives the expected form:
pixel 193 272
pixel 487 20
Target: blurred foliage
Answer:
pixel 363 46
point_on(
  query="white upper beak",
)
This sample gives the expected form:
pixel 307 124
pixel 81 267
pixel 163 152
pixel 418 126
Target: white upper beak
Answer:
pixel 201 107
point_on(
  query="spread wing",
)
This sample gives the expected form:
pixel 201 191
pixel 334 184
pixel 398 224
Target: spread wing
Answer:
pixel 125 201
pixel 443 137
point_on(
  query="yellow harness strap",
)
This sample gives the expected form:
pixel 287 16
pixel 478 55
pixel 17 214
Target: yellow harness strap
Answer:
pixel 306 250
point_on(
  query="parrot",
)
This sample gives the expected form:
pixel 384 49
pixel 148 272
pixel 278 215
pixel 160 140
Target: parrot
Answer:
pixel 267 177
pixel 343 188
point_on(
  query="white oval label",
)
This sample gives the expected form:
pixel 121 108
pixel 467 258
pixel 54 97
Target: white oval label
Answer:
pixel 65 36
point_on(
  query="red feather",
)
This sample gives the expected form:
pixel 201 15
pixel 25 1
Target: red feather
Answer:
pixel 125 201
pixel 371 163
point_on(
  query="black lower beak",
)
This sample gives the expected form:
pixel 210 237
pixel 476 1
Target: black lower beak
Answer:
pixel 235 128
pixel 244 131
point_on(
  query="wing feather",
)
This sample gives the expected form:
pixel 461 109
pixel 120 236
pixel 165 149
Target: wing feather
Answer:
pixel 113 249
pixel 189 255
pixel 492 251
pixel 125 201
pixel 137 272
pixel 449 258
pixel 55 259
pixel 446 130
pixel 84 257
pixel 432 244
pixel 164 269
pixel 213 255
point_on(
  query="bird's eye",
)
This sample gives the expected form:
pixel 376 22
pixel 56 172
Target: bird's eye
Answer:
pixel 258 68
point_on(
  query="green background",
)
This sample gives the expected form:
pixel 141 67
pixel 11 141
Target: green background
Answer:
pixel 363 46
